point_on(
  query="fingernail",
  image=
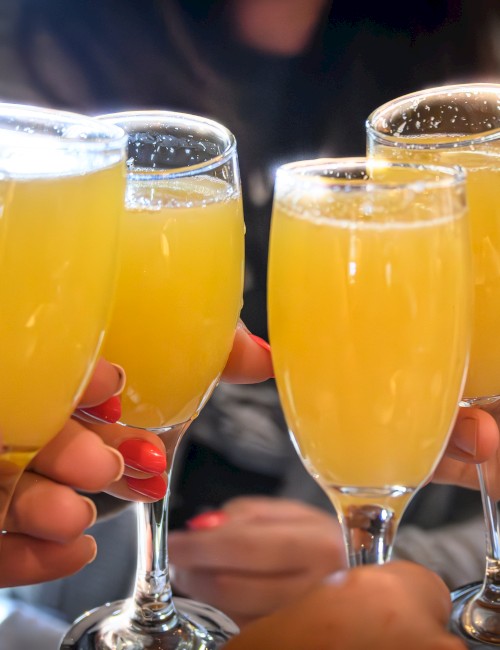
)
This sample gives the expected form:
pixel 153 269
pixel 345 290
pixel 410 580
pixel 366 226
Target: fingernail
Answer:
pixel 142 455
pixel 109 411
pixel 92 547
pixel 207 520
pixel 260 341
pixel 465 436
pixel 154 487
pixel 119 459
pixel 92 511
pixel 122 379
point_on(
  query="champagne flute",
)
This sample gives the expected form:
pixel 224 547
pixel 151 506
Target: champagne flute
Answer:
pixel 67 185
pixel 177 306
pixel 460 125
pixel 369 317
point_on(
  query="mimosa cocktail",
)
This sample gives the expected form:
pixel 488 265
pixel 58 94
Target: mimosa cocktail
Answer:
pixel 483 196
pixel 59 263
pixel 177 306
pixel 369 303
pixel 59 235
pixel 58 244
pixel 460 125
pixel 178 296
pixel 378 355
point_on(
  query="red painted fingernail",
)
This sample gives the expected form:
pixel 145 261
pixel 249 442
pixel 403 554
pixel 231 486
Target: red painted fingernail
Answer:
pixel 109 411
pixel 207 520
pixel 263 343
pixel 141 454
pixel 154 487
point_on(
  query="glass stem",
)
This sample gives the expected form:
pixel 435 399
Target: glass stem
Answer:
pixel 154 607
pixel 369 528
pixel 490 517
pixel 481 616
pixel 369 533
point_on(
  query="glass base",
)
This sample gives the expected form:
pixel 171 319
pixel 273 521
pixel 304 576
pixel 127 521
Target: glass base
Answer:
pixel 194 626
pixel 490 619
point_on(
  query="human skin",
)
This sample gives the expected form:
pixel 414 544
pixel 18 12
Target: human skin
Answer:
pixel 48 517
pixel 398 605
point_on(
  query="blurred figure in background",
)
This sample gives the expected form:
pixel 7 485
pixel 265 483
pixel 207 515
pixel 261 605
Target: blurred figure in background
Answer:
pixel 292 79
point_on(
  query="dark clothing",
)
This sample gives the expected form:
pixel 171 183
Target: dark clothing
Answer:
pixel 105 55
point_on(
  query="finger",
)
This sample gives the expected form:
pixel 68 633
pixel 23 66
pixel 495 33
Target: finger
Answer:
pixel 273 548
pixel 90 460
pixel 108 379
pixel 144 489
pixel 250 359
pixel 387 596
pixel 78 457
pixel 106 458
pixel 143 451
pixel 244 596
pixel 275 510
pixel 25 560
pixel 144 476
pixel 47 510
pixel 307 622
pixel 426 585
pixel 456 472
pixel 474 440
pixel 261 510
pixel 475 436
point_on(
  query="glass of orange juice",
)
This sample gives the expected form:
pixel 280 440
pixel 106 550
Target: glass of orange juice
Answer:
pixel 369 293
pixel 64 197
pixel 176 308
pixel 460 125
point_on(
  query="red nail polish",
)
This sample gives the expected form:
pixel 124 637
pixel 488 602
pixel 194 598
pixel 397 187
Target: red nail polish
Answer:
pixel 142 455
pixel 207 520
pixel 154 487
pixel 109 411
pixel 263 344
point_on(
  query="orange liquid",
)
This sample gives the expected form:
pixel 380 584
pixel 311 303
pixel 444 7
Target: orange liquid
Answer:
pixel 58 266
pixel 483 196
pixel 369 326
pixel 178 299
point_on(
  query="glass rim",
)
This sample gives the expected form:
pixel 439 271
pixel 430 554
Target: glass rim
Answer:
pixel 408 99
pixel 112 135
pixel 160 116
pixel 449 175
